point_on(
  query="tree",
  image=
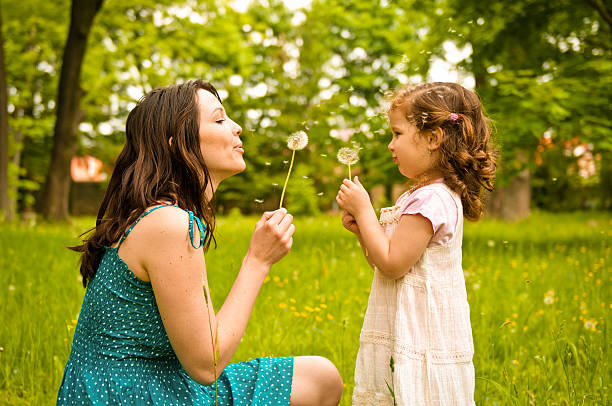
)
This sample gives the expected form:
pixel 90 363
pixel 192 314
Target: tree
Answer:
pixel 547 79
pixel 6 206
pixel 57 186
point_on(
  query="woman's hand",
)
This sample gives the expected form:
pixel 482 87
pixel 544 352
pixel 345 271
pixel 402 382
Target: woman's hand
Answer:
pixel 349 222
pixel 272 238
pixel 353 198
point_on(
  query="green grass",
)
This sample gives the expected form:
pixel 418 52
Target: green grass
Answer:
pixel 527 351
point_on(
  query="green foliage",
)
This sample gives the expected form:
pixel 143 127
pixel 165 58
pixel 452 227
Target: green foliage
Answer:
pixel 539 294
pixel 538 66
pixel 324 69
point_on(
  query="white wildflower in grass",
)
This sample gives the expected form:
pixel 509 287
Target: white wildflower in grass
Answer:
pixel 295 142
pixel 348 156
pixel 590 324
pixel 549 297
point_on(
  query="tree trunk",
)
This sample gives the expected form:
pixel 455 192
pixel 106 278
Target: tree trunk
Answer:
pixel 54 200
pixel 512 202
pixel 7 207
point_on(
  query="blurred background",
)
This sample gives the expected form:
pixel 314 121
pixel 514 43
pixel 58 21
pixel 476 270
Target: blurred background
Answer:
pixel 71 72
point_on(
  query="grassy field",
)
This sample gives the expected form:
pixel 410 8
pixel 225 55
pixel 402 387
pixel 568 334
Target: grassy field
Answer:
pixel 539 293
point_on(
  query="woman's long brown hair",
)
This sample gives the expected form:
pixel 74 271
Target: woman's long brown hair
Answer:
pixel 467 157
pixel 160 162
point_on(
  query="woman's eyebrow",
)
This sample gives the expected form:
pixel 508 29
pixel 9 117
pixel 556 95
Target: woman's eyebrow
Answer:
pixel 218 109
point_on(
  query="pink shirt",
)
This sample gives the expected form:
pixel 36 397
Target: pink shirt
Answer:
pixel 436 205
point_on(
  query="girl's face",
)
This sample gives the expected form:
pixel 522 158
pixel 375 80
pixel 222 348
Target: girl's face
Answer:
pixel 409 148
pixel 219 138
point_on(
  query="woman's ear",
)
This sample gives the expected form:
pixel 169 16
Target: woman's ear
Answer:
pixel 170 141
pixel 434 139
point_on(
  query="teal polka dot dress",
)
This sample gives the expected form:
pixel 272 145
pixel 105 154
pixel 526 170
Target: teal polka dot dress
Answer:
pixel 121 354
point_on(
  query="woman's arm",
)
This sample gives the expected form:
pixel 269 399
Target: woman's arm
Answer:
pixel 178 276
pixel 393 257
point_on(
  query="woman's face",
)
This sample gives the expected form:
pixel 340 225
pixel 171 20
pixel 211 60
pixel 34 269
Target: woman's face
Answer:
pixel 219 138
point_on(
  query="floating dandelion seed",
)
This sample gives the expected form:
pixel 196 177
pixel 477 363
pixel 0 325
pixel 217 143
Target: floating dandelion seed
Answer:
pixel 348 156
pixel 295 142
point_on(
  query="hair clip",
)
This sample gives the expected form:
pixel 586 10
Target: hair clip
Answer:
pixel 454 116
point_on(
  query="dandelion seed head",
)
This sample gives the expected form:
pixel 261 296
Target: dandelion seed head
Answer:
pixel 348 156
pixel 297 141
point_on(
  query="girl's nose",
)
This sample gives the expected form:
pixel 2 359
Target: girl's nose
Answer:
pixel 390 146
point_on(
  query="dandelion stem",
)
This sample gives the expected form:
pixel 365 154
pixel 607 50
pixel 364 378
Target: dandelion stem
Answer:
pixel 215 348
pixel 349 165
pixel 286 180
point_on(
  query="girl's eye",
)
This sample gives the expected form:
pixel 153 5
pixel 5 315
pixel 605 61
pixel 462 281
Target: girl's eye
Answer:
pixel 220 121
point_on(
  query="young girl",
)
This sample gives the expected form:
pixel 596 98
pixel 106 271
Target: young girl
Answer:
pixel 416 338
pixel 147 326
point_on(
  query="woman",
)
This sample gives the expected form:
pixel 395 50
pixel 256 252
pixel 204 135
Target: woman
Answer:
pixel 147 329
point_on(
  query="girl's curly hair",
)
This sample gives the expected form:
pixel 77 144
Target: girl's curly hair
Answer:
pixel 466 154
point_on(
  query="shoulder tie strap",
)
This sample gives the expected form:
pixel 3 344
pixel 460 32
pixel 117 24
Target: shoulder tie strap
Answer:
pixel 201 229
pixel 201 226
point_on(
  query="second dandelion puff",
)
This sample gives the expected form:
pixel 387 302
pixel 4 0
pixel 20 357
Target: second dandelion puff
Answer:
pixel 348 156
pixel 295 142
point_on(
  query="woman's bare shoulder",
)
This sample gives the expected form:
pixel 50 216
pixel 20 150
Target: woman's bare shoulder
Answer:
pixel 164 225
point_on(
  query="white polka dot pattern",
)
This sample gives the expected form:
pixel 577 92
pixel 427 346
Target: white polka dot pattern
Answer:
pixel 121 354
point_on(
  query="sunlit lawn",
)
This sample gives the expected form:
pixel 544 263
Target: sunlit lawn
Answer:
pixel 539 294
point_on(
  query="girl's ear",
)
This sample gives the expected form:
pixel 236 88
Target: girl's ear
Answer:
pixel 434 139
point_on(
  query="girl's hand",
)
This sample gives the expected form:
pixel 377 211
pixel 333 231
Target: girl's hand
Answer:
pixel 353 198
pixel 349 222
pixel 272 238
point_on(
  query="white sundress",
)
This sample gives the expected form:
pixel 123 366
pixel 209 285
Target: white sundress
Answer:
pixel 423 320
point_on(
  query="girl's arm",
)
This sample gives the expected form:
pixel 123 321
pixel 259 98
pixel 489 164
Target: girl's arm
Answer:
pixel 349 222
pixel 393 257
pixel 178 276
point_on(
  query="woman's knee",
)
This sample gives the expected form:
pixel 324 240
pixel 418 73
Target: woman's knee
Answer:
pixel 322 379
pixel 332 381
